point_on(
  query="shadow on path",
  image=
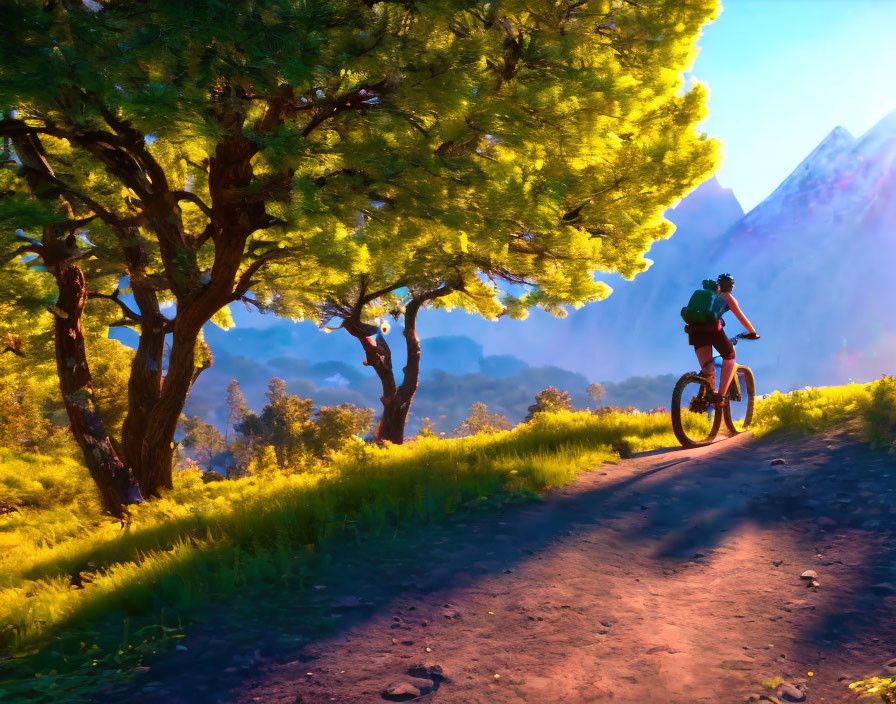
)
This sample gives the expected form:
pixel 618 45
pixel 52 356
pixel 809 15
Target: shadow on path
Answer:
pixel 835 499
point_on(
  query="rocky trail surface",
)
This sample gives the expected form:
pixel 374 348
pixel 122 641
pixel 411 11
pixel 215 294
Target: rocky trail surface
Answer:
pixel 675 577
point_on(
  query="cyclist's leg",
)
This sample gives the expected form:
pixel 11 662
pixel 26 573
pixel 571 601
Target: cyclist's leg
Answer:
pixel 707 367
pixel 729 363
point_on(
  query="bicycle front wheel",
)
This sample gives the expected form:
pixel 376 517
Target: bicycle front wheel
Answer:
pixel 695 421
pixel 739 414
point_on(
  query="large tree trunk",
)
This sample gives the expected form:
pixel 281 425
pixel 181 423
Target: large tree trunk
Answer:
pixel 76 384
pixel 154 469
pixel 145 380
pixel 392 422
pixel 235 216
pixel 75 381
pixel 155 404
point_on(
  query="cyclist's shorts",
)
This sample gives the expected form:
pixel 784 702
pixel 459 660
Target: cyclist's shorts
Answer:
pixel 714 338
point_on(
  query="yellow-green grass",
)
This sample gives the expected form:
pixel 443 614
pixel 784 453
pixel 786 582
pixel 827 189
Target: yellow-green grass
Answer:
pixel 207 539
pixel 192 542
pixel 867 410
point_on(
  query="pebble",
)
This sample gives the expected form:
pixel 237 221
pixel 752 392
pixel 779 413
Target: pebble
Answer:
pixel 883 589
pixel 890 666
pixel 809 574
pixel 777 462
pixel 399 690
pixel 791 693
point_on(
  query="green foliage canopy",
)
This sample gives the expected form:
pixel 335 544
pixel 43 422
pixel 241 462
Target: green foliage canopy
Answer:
pixel 298 154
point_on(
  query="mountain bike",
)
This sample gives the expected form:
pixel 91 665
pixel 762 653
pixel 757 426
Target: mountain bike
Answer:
pixel 696 421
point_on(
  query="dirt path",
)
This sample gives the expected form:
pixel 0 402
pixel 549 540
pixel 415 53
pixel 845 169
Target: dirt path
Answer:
pixel 670 578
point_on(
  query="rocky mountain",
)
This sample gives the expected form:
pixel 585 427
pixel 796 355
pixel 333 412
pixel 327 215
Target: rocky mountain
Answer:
pixel 637 330
pixel 812 262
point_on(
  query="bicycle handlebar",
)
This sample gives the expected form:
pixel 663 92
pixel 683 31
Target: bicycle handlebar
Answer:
pixel 742 336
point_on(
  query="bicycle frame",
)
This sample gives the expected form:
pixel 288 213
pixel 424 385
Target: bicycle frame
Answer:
pixel 734 389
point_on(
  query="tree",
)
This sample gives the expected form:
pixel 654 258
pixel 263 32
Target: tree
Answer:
pixel 534 183
pixel 596 392
pixel 276 390
pixel 549 400
pixel 427 429
pixel 295 431
pixel 481 421
pixel 334 425
pixel 203 439
pixel 236 402
pixel 197 160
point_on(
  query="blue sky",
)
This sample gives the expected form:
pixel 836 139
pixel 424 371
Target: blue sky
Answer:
pixel 784 73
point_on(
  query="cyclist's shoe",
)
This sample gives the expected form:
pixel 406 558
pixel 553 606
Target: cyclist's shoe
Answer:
pixel 698 404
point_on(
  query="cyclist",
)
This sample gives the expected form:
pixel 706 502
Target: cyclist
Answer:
pixel 706 336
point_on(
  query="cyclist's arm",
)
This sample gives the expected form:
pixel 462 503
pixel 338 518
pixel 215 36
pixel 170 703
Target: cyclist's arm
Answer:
pixel 738 313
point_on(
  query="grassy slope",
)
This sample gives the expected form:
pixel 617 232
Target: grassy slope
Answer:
pixel 207 541
pixel 213 541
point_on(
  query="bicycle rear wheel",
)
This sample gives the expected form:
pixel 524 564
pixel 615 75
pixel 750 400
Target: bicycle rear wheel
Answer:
pixel 739 414
pixel 695 421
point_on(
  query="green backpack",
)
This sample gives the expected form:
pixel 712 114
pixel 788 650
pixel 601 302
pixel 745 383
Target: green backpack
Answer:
pixel 705 305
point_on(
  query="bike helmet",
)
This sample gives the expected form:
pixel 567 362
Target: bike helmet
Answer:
pixel 726 282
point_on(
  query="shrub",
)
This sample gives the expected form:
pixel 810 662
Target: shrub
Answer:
pixel 811 410
pixel 880 414
pixel 623 410
pixel 883 687
pixel 481 421
pixel 300 435
pixel 549 400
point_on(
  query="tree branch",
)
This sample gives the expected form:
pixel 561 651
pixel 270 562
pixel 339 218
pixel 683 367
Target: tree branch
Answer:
pixel 361 97
pixel 24 249
pixel 134 142
pixel 98 210
pixel 382 292
pixel 13 343
pixel 194 199
pixel 12 127
pixel 245 281
pixel 114 296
